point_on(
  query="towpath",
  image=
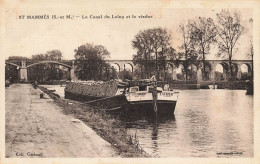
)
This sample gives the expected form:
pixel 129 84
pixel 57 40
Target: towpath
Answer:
pixel 37 128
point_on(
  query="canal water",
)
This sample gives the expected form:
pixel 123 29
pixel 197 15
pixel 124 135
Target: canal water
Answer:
pixel 207 123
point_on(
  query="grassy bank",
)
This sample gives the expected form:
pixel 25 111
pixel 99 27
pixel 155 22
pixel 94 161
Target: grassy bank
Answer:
pixel 105 125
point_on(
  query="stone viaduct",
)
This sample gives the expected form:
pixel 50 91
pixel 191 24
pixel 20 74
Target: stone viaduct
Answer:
pixel 211 64
pixel 23 65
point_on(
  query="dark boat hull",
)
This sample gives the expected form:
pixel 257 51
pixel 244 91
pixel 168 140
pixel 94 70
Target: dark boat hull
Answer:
pixel 80 97
pixel 120 103
pixel 103 102
pixel 249 88
pixel 163 107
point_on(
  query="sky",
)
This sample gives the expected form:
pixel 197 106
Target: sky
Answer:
pixel 27 37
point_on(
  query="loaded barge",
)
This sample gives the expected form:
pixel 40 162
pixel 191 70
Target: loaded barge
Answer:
pixel 131 96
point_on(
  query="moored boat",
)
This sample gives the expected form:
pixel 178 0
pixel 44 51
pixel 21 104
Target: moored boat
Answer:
pixel 115 94
pixel 214 86
pixel 249 87
pixel 142 100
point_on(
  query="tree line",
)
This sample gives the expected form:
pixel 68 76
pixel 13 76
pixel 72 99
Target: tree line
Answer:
pixel 154 47
pixel 90 64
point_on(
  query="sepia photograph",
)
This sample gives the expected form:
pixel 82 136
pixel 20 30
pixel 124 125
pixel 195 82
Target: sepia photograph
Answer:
pixel 114 81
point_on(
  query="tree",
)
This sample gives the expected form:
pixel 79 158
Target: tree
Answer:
pixel 251 51
pixel 251 56
pixel 204 35
pixel 125 75
pixel 17 58
pixel 229 29
pixel 12 72
pixel 189 52
pixel 38 72
pixel 113 73
pixel 90 62
pixel 153 46
pixel 46 71
pixel 54 72
pixel 54 55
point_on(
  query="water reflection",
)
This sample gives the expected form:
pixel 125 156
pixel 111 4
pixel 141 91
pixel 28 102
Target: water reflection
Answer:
pixel 209 123
pixel 155 129
pixel 136 119
pixel 147 124
pixel 154 136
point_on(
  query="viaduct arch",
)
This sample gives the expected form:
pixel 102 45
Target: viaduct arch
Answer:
pixel 16 65
pixel 54 62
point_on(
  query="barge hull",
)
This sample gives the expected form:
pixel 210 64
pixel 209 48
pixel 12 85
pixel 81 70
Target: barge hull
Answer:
pixel 163 107
pixel 101 102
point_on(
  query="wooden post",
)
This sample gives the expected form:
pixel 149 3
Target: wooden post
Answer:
pixel 155 130
pixel 155 106
pixel 155 96
pixel 154 93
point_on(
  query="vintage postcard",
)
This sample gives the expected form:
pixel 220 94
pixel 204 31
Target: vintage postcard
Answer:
pixel 114 81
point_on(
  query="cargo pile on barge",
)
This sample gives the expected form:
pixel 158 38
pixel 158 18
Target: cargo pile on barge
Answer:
pixel 90 90
pixel 96 93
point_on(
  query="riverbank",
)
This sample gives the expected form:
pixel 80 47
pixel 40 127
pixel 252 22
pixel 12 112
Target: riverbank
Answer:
pixel 105 125
pixel 181 84
pixel 233 85
pixel 37 127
